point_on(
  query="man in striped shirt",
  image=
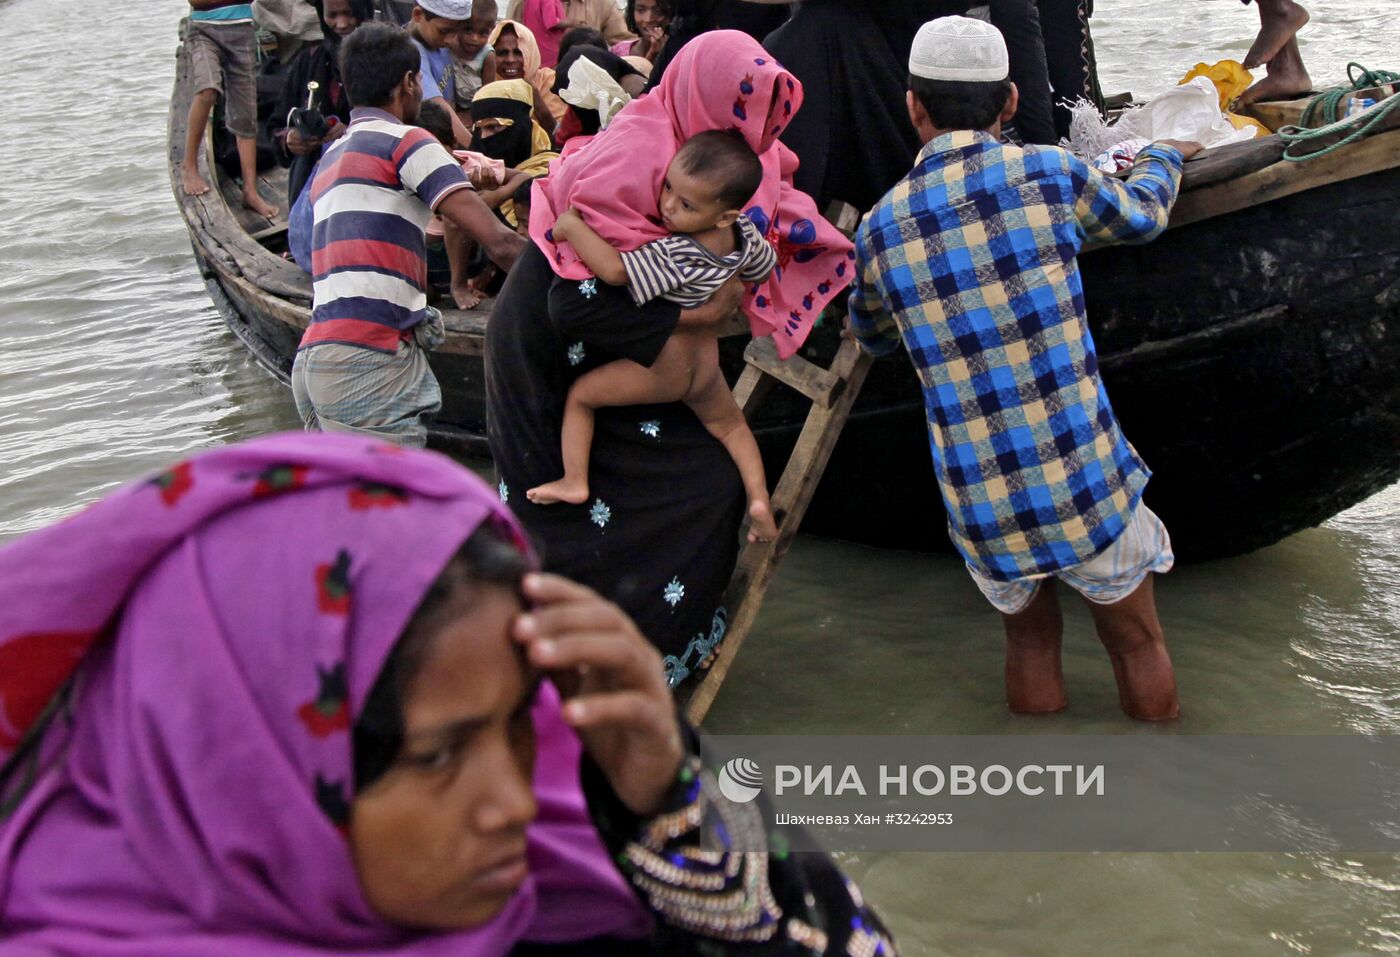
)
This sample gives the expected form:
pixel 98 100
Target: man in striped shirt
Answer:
pixel 361 366
pixel 969 261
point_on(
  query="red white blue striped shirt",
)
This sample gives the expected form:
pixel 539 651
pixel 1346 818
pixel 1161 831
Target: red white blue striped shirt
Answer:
pixel 376 189
pixel 688 274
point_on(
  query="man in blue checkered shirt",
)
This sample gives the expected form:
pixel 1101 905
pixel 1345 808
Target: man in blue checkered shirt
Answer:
pixel 970 262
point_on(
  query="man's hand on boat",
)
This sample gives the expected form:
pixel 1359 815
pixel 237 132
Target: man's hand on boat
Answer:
pixel 1186 149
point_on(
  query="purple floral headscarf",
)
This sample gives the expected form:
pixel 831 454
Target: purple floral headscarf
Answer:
pixel 230 617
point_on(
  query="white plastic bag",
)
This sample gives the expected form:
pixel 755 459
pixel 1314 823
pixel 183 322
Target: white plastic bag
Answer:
pixel 593 88
pixel 1189 112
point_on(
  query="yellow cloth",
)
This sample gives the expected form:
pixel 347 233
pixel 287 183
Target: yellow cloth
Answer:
pixel 1230 79
pixel 521 92
pixel 541 78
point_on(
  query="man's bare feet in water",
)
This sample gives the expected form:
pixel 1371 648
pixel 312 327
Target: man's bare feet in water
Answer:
pixel 1287 78
pixel 192 183
pixel 561 490
pixel 1279 22
pixel 762 526
pixel 466 296
pixel 257 204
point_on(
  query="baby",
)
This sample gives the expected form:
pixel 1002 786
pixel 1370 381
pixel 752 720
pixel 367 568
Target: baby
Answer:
pixel 711 177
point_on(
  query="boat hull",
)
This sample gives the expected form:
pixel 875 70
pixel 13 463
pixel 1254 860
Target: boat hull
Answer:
pixel 1250 356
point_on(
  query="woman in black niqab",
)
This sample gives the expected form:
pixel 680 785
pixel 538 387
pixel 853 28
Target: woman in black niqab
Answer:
pixel 853 133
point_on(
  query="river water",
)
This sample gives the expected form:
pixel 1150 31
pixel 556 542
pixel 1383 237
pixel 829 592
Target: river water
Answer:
pixel 113 362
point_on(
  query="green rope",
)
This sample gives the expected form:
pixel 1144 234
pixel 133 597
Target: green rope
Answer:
pixel 1328 104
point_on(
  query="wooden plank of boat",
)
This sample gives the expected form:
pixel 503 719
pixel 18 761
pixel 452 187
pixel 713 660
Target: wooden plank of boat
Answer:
pixel 1285 178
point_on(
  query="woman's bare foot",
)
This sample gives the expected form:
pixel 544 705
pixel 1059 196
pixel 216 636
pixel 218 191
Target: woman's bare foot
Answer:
pixel 257 204
pixel 466 295
pixel 1279 22
pixel 562 490
pixel 762 526
pixel 192 183
pixel 1287 79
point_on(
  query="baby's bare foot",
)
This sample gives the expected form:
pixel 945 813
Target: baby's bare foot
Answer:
pixel 762 526
pixel 466 296
pixel 563 490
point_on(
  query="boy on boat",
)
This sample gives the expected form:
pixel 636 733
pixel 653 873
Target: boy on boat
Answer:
pixel 222 52
pixel 970 262
pixel 437 27
pixel 361 367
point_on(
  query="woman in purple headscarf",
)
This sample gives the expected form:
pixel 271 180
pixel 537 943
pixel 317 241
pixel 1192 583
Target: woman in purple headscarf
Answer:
pixel 286 699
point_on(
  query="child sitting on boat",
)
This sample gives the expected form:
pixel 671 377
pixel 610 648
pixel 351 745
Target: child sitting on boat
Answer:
pixel 970 262
pixel 711 242
pixel 495 183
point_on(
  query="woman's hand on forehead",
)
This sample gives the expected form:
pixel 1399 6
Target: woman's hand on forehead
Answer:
pixel 613 685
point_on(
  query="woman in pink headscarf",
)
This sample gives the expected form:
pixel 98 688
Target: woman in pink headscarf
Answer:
pixel 723 80
pixel 659 534
pixel 283 699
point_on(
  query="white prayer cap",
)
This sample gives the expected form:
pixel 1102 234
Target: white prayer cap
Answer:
pixel 959 48
pixel 448 9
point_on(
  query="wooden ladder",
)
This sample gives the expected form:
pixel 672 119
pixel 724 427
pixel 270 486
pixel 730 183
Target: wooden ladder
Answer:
pixel 832 392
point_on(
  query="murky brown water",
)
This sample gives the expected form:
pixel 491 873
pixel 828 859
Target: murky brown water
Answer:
pixel 113 362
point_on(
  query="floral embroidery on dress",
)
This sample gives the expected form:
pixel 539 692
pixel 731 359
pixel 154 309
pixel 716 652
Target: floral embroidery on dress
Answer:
pixel 333 585
pixel 575 353
pixel 600 514
pixel 699 649
pixel 503 491
pixel 279 479
pixel 368 495
pixel 729 899
pixel 174 483
pixel 796 243
pixel 651 428
pixel 674 592
pixel 588 288
pixel 328 712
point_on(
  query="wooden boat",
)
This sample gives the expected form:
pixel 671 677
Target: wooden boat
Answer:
pixel 1251 352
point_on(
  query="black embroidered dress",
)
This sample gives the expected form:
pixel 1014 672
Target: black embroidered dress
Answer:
pixel 659 532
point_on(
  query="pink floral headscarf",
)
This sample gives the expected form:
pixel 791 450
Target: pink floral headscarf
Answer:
pixel 230 616
pixel 722 80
